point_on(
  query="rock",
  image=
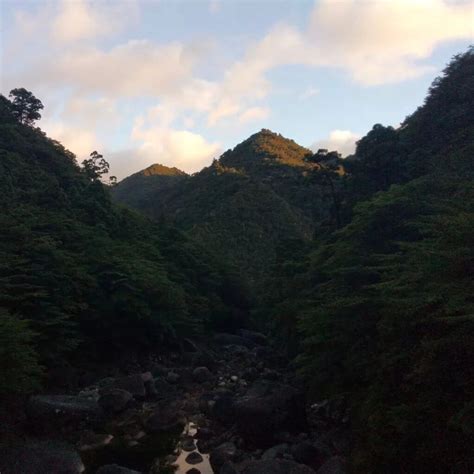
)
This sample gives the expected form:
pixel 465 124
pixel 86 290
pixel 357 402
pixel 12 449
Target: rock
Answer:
pixel 234 378
pixel 147 377
pixel 193 471
pixel 115 469
pixel 307 453
pixel 194 458
pixel 225 339
pixel 202 374
pixel 91 441
pixel 40 457
pixel 267 408
pixel 228 468
pixel 155 467
pixel 49 412
pixel 334 465
pixel 133 384
pixel 114 400
pixel 188 444
pixel 163 420
pixel 172 377
pixel 223 407
pixel 254 336
pixel 275 452
pixel 204 433
pixel 150 389
pixel 222 454
pixel 275 466
pixel 162 388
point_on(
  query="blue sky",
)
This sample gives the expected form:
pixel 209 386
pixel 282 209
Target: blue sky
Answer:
pixel 178 82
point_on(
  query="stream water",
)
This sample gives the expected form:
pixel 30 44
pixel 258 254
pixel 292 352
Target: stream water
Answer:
pixel 142 455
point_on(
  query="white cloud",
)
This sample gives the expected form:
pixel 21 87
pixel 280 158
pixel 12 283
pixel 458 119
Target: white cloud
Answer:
pixel 136 68
pixel 254 114
pixel 91 112
pixel 80 19
pixel 343 141
pixel 382 41
pixel 181 148
pixel 80 141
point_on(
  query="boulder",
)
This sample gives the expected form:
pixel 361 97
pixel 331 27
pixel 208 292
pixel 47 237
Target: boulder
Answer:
pixel 222 454
pixel 115 469
pixel 201 374
pixel 172 377
pixel 275 452
pixel 275 466
pixel 188 444
pixel 114 400
pixel 267 408
pixel 256 337
pixel 164 420
pixel 194 458
pixel 50 412
pixel 334 465
pixel 223 407
pixel 91 441
pixel 133 384
pixel 40 457
pixel 308 453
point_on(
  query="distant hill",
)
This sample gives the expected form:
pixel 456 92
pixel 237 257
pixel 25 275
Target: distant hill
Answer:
pixel 136 190
pixel 243 206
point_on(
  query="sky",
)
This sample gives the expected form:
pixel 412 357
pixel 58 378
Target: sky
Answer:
pixel 179 82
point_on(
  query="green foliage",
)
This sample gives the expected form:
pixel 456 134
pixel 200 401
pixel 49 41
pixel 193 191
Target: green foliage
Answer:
pixel 25 107
pixel 92 279
pixel 18 360
pixel 384 305
pixel 242 207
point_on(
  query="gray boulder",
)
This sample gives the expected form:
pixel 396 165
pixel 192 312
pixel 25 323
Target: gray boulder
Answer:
pixel 40 457
pixel 308 453
pixel 275 452
pixel 114 400
pixel 334 465
pixel 268 408
pixel 133 384
pixel 49 412
pixel 222 454
pixel 256 337
pixel 202 374
pixel 164 420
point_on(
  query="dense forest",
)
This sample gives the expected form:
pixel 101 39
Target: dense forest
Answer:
pixel 361 269
pixel 80 275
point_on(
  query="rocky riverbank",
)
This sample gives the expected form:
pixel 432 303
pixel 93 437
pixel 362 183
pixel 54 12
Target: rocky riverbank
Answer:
pixel 227 405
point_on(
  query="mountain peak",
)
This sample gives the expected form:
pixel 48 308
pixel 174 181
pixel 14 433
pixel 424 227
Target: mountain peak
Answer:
pixel 266 148
pixel 158 169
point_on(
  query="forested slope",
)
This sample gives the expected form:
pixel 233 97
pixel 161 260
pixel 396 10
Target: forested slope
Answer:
pixel 83 278
pixel 381 310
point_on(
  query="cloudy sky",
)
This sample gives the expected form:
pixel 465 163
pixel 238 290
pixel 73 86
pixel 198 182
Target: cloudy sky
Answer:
pixel 178 82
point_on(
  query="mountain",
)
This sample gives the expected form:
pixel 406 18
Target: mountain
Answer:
pixel 137 189
pixel 380 312
pixel 83 279
pixel 244 205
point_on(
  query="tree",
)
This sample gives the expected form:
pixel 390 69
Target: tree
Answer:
pixel 326 172
pixel 96 166
pixel 25 106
